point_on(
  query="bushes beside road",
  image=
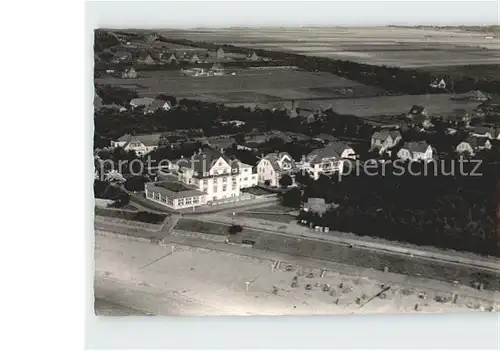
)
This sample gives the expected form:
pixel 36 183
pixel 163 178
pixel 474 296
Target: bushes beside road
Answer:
pixel 140 216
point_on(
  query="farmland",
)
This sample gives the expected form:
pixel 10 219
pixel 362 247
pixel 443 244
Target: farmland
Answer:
pixel 438 104
pixel 245 86
pixel 402 47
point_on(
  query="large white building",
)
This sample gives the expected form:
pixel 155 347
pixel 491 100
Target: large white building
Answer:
pixel 328 160
pixel 215 174
pixel 273 166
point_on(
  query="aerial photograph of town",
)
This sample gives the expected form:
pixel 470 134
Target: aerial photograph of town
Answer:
pixel 296 171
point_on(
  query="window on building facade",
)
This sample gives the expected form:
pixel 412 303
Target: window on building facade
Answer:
pixel 233 186
pixel 196 200
pixel 163 198
pixel 215 189
pixel 224 187
pixel 205 181
pixel 170 202
pixel 180 202
pixel 224 180
pixel 205 189
pixel 246 178
pixel 157 196
pixel 188 201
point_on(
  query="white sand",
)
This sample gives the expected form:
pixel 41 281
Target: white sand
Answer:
pixel 193 281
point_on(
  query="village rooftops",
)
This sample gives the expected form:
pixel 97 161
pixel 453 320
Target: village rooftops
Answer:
pixel 416 146
pixel 146 139
pixel 476 142
pixel 174 190
pixel 384 134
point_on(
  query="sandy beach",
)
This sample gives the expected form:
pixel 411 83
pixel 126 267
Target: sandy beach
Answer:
pixel 153 279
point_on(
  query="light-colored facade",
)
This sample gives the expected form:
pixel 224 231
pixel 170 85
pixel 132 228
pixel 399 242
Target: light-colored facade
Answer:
pixel 140 144
pixel 248 178
pixel 174 195
pixel 385 139
pixel 272 167
pixel 328 160
pixel 416 151
pixel 473 144
pixel 212 173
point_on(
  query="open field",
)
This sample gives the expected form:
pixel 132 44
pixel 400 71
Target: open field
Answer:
pixel 436 104
pixel 404 47
pixel 198 281
pixel 246 86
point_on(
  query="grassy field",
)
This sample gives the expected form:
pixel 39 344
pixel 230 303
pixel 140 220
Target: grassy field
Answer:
pixel 404 47
pixel 436 104
pixel 246 86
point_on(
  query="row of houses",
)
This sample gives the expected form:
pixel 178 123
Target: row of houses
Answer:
pixel 154 57
pixel 386 140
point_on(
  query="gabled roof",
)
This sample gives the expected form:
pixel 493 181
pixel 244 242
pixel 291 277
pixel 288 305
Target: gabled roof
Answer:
pixel 384 134
pixel 156 104
pixel 275 160
pixel 475 141
pixel 416 146
pixel 203 161
pixel 333 150
pixel 146 139
pixel 144 101
pixel 416 110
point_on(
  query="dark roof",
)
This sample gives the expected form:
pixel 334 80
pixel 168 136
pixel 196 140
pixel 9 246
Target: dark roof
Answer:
pixel 174 190
pixel 333 150
pixel 416 146
pixel 204 160
pixel 481 129
pixel 156 104
pixel 416 110
pixel 384 134
pixel 475 141
pixel 146 139
pixel 274 158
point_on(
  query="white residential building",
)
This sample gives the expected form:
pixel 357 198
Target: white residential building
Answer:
pixel 248 178
pixel 416 151
pixel 141 144
pixel 328 160
pixel 212 173
pixel 272 167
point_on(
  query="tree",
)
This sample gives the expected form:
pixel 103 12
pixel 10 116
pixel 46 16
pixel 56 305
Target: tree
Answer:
pixel 170 99
pixel 292 198
pixel 285 181
pixel 239 138
pixel 235 229
pixel 115 178
pixel 136 183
